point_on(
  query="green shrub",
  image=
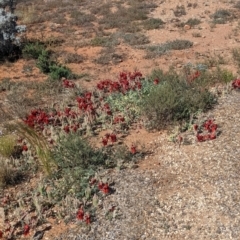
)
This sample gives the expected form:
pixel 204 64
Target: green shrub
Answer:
pixel 76 162
pixel 58 72
pixel 174 100
pixel 44 62
pixel 33 50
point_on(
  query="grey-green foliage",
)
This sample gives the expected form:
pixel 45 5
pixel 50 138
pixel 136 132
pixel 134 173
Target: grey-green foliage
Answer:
pixel 174 100
pixel 9 28
pixel 76 161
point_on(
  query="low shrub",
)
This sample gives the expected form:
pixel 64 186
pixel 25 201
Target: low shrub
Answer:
pixel 76 162
pixel 9 175
pixel 58 72
pixel 221 16
pixel 7 145
pixel 159 50
pixel 33 50
pixel 173 100
pixel 153 23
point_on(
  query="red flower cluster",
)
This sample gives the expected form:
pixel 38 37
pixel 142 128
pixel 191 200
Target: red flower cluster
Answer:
pixel 133 149
pixel 68 84
pixel 112 137
pixel 211 129
pixel 118 119
pixel 236 84
pixel 24 148
pixel 193 76
pixel 126 82
pixel 156 81
pixel 37 116
pixel 85 103
pixel 104 187
pixel 82 216
pixel 26 230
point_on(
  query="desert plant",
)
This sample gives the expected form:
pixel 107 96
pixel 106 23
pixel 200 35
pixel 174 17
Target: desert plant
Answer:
pixel 76 162
pixel 179 11
pixel 135 39
pixel 236 56
pixel 33 50
pixel 153 23
pixel 57 72
pixel 7 145
pixel 44 62
pixel 174 100
pixel 9 41
pixel 39 145
pixel 221 16
pixel 9 175
pixel 159 50
pixel 193 22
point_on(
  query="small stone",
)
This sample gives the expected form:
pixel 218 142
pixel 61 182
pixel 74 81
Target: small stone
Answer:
pixel 187 27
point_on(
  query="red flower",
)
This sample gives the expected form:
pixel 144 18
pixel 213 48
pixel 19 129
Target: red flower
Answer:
pixel 88 95
pixel 156 81
pixel 212 136
pixel 66 129
pixel 87 218
pixel 68 84
pixel 105 188
pixel 26 230
pixel 100 185
pixel 104 141
pixel 133 149
pixel 213 127
pixel 195 127
pixel 236 84
pixel 107 135
pixel 200 138
pixel 197 74
pixel 80 214
pixel 24 148
pixel 113 138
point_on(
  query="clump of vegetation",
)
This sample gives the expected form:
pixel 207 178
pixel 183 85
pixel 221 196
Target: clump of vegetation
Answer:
pixel 179 11
pixel 7 145
pixel 221 16
pixel 153 23
pixel 135 39
pixel 9 174
pixel 37 50
pixel 123 16
pixel 174 99
pixel 236 56
pixel 193 22
pixel 159 50
pixel 81 18
pixel 33 50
